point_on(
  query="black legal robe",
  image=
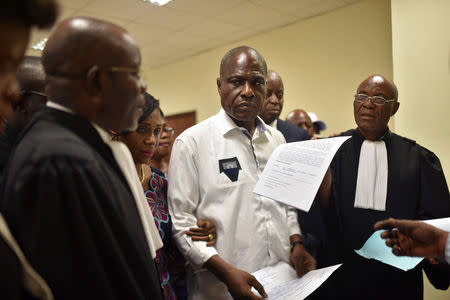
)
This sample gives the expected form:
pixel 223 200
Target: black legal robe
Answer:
pixel 416 189
pixel 73 214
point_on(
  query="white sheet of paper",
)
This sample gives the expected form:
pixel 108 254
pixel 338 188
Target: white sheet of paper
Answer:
pixel 295 171
pixel 280 281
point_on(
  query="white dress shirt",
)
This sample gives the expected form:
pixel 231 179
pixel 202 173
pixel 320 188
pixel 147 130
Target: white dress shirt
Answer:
pixel 252 231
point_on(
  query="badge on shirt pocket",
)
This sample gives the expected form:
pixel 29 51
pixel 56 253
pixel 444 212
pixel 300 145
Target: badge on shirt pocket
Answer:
pixel 231 167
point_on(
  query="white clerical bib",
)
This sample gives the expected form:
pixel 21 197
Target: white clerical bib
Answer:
pixel 125 161
pixel 371 184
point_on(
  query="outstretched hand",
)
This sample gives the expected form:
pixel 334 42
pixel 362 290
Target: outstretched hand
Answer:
pixel 413 238
pixel 206 231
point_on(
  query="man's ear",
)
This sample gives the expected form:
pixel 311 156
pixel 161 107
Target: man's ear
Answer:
pixel 395 108
pixel 219 83
pixel 93 86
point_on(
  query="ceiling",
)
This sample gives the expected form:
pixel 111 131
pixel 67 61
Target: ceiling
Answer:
pixel 184 28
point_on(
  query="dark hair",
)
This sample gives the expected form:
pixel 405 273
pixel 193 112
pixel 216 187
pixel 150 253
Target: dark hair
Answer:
pixel 162 113
pixel 42 13
pixel 151 103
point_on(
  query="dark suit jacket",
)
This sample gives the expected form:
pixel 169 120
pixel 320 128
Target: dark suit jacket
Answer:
pixel 313 231
pixel 72 212
pixel 291 132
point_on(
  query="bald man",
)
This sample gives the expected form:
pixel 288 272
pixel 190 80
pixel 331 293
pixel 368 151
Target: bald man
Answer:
pixel 376 175
pixel 69 202
pixel 300 118
pixel 213 170
pixel 272 107
pixel 31 77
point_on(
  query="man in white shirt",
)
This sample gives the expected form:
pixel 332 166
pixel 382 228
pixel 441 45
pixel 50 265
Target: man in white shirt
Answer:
pixel 214 167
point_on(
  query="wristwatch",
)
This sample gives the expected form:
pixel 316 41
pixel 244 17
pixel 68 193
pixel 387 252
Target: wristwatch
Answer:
pixel 295 243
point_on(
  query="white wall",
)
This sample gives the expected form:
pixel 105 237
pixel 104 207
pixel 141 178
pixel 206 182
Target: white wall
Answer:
pixel 421 58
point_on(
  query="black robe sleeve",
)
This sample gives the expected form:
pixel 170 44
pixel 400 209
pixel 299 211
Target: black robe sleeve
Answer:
pixel 63 214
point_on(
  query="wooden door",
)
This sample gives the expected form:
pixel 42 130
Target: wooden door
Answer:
pixel 180 122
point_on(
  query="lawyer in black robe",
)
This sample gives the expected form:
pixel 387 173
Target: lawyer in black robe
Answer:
pixel 72 212
pixel 416 189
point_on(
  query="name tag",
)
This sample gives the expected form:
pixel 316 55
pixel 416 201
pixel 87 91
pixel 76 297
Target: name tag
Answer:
pixel 230 167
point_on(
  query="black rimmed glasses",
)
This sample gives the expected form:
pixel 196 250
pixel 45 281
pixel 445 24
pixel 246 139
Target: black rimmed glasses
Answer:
pixel 377 100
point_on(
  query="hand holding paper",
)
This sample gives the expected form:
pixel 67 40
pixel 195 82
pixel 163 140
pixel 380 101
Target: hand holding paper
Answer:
pixel 280 281
pixel 416 238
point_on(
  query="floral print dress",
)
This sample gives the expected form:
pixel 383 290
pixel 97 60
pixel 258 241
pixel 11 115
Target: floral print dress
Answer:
pixel 169 261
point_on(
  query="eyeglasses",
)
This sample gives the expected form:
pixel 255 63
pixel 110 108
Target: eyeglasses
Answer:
pixel 145 130
pixel 23 92
pixel 378 100
pixel 169 130
pixel 135 71
pixel 112 69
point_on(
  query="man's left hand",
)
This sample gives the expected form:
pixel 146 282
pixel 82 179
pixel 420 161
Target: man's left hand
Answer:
pixel 302 261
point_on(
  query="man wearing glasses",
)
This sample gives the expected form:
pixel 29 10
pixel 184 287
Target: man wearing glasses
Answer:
pixel 69 204
pixel 376 175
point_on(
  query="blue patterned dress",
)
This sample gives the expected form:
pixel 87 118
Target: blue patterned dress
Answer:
pixel 169 261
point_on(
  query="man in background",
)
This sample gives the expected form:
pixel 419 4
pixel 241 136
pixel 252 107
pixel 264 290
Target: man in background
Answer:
pixel 300 118
pixel 31 77
pixel 272 106
pixel 318 124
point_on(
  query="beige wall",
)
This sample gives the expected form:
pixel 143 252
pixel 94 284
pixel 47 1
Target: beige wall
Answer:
pixel 321 61
pixel 421 55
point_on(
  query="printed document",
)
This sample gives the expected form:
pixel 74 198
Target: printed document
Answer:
pixel 280 281
pixel 295 171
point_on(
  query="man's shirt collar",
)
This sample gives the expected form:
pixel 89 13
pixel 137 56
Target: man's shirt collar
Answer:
pixel 227 124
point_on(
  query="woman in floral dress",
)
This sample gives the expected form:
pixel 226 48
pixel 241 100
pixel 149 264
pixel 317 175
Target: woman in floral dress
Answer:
pixel 142 144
